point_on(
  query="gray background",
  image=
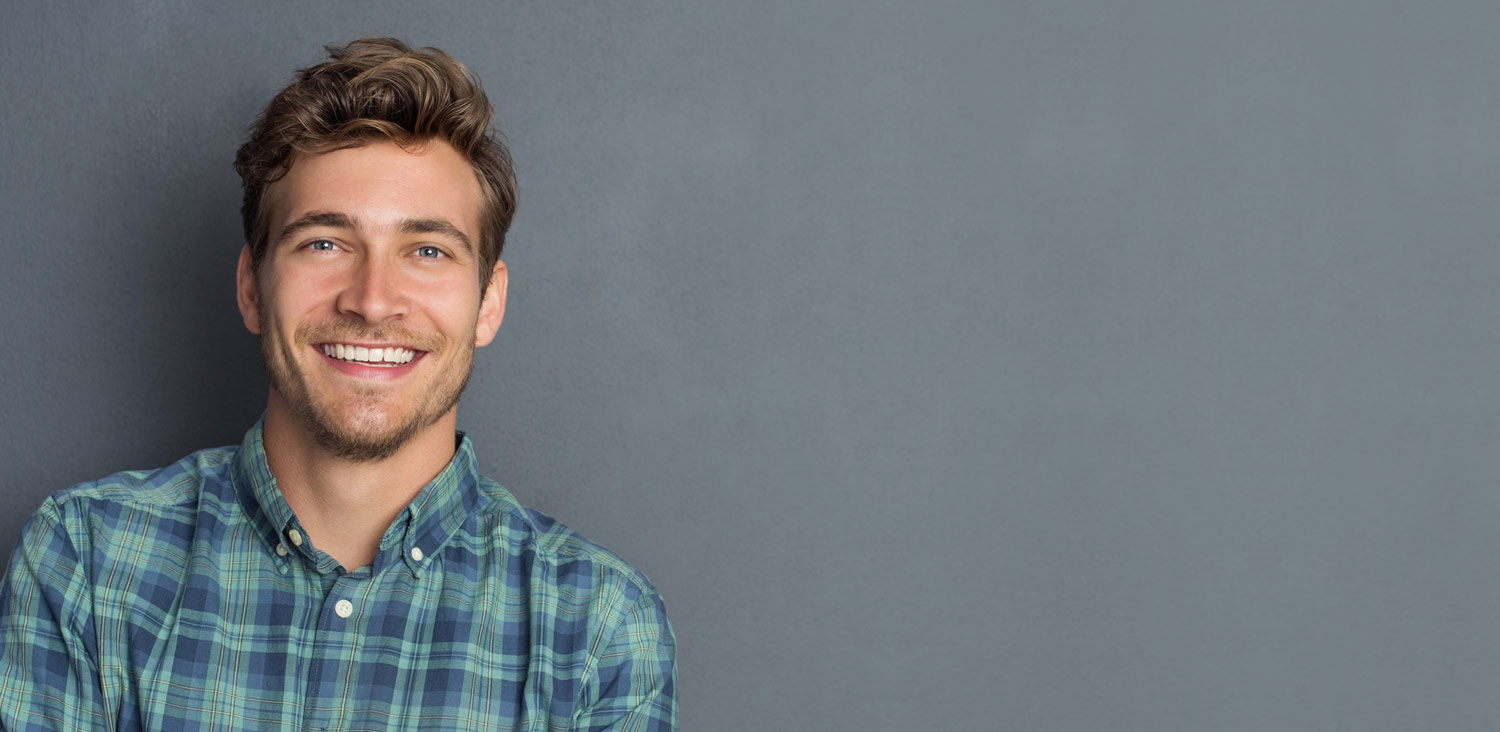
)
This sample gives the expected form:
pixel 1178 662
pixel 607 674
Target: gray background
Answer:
pixel 953 366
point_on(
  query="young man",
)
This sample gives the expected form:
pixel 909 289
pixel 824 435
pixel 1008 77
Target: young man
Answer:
pixel 345 566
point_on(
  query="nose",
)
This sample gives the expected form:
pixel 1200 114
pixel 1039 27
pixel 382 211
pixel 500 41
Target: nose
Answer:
pixel 374 293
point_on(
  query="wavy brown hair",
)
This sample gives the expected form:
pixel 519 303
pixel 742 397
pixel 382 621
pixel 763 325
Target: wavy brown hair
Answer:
pixel 379 89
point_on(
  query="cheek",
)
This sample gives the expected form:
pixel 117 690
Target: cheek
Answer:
pixel 297 292
pixel 448 299
pixel 456 315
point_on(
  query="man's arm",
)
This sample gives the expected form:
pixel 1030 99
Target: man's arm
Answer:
pixel 633 686
pixel 48 676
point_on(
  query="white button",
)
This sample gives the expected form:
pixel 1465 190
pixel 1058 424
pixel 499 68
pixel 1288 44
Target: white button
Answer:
pixel 295 536
pixel 343 608
pixel 416 554
pixel 280 550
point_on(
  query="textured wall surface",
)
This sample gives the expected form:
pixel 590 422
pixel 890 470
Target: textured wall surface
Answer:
pixel 948 366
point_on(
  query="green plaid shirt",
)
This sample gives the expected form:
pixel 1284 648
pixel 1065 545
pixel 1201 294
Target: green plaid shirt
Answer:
pixel 191 598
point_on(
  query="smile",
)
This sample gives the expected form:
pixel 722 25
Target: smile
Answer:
pixel 367 355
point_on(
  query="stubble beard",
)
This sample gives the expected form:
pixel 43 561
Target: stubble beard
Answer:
pixel 362 433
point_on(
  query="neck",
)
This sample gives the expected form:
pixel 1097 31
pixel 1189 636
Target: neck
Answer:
pixel 346 506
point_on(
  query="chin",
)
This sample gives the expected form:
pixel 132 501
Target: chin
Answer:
pixel 363 442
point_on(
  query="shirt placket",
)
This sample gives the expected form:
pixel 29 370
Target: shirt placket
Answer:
pixel 332 696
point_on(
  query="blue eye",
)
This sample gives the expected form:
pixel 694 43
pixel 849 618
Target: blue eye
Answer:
pixel 429 252
pixel 322 245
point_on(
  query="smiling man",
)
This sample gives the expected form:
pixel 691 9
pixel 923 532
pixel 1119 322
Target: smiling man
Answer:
pixel 345 566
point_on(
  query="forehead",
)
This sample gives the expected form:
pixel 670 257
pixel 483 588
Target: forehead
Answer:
pixel 380 185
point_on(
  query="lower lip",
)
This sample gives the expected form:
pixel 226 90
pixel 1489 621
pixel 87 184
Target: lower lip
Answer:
pixel 375 373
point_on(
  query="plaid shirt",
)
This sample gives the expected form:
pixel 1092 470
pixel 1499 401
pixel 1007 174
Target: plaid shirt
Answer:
pixel 191 598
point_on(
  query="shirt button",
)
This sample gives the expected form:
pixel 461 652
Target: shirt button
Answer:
pixel 295 536
pixel 343 608
pixel 416 554
pixel 280 550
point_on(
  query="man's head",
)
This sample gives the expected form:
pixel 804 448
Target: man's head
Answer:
pixel 375 89
pixel 376 204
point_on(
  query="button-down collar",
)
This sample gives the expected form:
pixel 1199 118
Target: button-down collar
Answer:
pixel 415 537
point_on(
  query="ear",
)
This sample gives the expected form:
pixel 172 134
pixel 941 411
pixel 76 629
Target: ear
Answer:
pixel 492 307
pixel 247 293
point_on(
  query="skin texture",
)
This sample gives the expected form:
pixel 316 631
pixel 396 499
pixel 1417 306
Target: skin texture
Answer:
pixel 371 246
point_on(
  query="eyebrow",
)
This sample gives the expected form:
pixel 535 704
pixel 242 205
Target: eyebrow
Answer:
pixel 336 220
pixel 316 219
pixel 437 226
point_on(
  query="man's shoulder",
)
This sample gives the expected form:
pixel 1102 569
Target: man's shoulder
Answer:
pixel 178 484
pixel 569 557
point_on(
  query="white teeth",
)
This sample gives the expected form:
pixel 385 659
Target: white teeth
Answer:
pixel 365 354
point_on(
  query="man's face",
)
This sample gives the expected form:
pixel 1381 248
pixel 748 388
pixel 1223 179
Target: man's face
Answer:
pixel 367 300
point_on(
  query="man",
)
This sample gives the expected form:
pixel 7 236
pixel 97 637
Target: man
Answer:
pixel 345 566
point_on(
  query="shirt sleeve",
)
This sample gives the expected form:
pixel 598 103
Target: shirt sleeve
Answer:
pixel 48 676
pixel 634 684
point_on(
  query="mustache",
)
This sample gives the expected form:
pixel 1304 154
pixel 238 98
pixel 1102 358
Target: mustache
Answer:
pixel 343 331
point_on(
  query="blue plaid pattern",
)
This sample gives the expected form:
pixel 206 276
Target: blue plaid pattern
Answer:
pixel 178 599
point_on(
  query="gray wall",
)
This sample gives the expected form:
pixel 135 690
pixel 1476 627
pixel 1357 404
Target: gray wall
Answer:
pixel 952 366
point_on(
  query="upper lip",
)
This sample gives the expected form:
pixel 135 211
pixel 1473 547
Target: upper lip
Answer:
pixel 357 344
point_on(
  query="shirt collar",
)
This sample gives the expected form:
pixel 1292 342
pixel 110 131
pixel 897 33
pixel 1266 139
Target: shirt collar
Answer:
pixel 415 537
